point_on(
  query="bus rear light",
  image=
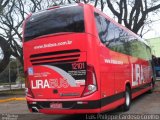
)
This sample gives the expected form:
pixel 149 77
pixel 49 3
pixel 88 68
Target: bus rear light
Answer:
pixel 91 84
pixel 32 102
pixel 91 87
pixel 81 102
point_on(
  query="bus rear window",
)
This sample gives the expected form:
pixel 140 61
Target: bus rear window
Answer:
pixel 67 19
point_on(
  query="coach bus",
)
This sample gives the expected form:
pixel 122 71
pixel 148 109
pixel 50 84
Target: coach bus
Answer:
pixel 78 60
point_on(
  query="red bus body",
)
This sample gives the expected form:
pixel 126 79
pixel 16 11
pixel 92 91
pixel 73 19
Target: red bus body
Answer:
pixel 68 73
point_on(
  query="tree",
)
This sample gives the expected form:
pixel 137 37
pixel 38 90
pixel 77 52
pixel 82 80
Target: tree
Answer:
pixel 5 54
pixel 11 20
pixel 13 15
pixel 134 14
pixel 3 3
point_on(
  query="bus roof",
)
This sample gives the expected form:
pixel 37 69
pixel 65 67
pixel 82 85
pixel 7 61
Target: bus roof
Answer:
pixel 82 4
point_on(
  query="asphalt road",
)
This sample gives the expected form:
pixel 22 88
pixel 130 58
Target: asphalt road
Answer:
pixel 144 104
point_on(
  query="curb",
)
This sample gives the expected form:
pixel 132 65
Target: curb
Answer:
pixel 12 99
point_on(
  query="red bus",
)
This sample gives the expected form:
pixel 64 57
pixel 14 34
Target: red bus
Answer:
pixel 78 60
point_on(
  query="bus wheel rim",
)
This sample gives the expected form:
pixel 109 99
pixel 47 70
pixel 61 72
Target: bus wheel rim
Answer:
pixel 127 99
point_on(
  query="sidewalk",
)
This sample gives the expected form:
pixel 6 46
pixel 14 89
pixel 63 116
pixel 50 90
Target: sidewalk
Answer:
pixel 11 95
pixel 157 86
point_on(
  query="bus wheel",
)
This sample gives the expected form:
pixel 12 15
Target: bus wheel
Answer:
pixel 152 87
pixel 127 104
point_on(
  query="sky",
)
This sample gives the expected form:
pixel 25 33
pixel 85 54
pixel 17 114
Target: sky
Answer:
pixel 154 27
pixel 154 31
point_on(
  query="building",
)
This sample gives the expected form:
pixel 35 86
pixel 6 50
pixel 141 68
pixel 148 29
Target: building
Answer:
pixel 155 46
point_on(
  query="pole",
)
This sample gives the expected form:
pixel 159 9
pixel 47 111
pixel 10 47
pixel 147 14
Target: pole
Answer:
pixel 9 76
pixel 10 83
pixel 18 73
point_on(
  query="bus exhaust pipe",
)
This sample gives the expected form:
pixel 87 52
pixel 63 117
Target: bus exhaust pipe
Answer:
pixel 35 109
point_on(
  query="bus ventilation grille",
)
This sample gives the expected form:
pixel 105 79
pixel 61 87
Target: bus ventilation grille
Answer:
pixel 55 57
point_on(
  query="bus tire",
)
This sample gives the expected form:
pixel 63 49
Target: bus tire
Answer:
pixel 127 96
pixel 152 85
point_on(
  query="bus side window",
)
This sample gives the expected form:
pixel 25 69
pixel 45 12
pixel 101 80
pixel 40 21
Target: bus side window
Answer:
pixel 121 38
pixel 99 26
pixel 110 39
pixel 102 26
pixel 138 49
pixel 116 39
pixel 105 29
pixel 149 54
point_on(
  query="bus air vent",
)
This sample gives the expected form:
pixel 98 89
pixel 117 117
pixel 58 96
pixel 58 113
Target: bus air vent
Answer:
pixel 55 57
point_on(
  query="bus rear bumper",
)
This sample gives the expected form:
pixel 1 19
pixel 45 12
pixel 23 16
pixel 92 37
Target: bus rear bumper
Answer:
pixel 66 107
pixel 67 111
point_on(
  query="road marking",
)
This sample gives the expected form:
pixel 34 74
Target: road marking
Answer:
pixel 12 99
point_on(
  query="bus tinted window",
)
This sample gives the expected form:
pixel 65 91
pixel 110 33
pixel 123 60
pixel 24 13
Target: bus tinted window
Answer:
pixel 112 36
pixel 149 54
pixel 68 19
pixel 102 26
pixel 116 39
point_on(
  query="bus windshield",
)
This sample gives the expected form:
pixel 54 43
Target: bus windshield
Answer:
pixel 67 19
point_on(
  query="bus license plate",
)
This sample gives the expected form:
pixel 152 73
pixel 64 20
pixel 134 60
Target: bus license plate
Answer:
pixel 56 105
